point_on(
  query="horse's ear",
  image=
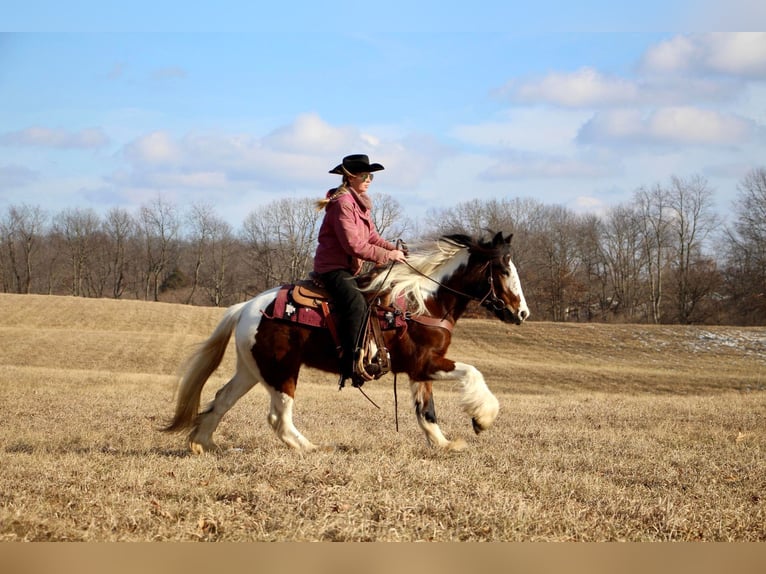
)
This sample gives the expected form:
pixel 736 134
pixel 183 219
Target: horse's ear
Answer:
pixel 508 239
pixel 497 239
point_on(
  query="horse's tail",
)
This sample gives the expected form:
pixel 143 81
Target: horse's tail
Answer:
pixel 199 367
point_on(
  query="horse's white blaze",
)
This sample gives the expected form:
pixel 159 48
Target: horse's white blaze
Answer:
pixel 514 286
pixel 477 400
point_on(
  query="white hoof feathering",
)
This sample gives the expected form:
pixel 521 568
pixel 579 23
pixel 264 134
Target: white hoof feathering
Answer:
pixel 477 400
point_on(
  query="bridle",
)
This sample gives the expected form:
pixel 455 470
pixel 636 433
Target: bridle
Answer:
pixel 490 301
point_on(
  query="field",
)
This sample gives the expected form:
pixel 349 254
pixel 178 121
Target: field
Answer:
pixel 606 432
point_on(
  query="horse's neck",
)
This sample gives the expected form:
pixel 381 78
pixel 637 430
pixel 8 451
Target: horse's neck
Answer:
pixel 446 305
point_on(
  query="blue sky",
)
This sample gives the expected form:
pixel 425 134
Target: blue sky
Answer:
pixel 568 103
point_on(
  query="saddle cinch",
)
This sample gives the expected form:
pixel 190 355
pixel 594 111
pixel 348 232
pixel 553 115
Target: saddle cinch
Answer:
pixel 306 303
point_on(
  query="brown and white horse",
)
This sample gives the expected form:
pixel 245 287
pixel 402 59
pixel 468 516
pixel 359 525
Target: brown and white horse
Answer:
pixel 437 283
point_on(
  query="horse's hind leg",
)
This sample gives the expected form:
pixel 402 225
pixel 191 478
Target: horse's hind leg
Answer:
pixel 281 420
pixel 422 396
pixel 201 436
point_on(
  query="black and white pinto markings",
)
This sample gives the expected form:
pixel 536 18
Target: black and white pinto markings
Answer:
pixel 437 282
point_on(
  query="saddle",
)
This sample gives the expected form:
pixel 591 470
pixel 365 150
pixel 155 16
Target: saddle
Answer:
pixel 307 303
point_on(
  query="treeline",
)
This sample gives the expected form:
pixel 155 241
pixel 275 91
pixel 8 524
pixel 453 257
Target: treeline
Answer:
pixel 665 256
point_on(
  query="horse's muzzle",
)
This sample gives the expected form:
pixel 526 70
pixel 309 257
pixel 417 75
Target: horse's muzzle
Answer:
pixel 507 315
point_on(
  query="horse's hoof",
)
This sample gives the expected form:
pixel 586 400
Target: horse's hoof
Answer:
pixel 456 445
pixel 199 448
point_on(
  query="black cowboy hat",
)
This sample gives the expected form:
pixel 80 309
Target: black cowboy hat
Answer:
pixel 357 163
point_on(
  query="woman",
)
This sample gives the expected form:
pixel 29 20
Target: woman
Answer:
pixel 347 238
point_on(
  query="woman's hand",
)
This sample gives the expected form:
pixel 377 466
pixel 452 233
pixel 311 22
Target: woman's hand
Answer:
pixel 397 255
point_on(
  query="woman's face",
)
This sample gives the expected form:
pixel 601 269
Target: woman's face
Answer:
pixel 360 182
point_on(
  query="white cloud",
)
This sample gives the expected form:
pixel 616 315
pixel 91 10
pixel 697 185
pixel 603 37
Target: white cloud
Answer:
pixel 741 54
pixel 154 149
pixel 672 125
pixel 55 138
pixel 296 155
pixel 585 88
pixel 310 134
pixel 532 129
pixel 589 89
pixel 670 55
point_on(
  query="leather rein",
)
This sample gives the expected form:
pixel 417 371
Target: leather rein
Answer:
pixel 491 301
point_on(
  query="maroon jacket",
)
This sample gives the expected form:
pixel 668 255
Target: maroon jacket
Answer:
pixel 347 236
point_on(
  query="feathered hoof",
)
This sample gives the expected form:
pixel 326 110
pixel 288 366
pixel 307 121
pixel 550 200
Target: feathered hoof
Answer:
pixel 198 447
pixel 478 427
pixel 484 420
pixel 456 445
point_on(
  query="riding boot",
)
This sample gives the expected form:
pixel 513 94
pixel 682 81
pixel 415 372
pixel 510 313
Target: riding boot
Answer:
pixel 346 369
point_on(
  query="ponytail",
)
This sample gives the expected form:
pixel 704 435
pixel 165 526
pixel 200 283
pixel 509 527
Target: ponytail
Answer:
pixel 332 194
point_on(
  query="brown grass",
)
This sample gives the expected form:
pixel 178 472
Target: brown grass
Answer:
pixel 606 432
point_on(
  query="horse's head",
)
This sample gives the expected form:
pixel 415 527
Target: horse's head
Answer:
pixel 496 279
pixel 456 265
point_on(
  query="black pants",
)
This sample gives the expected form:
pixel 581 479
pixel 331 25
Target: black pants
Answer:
pixel 351 306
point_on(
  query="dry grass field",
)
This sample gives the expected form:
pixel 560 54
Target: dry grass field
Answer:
pixel 606 433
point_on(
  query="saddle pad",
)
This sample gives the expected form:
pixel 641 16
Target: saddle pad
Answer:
pixel 288 308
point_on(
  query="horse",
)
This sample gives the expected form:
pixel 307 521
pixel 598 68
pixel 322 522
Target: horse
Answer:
pixel 437 283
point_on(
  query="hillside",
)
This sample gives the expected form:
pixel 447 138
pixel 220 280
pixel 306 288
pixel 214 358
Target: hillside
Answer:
pixel 135 337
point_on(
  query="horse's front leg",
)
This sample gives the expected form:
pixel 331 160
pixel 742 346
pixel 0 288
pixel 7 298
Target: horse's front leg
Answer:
pixel 422 397
pixel 477 400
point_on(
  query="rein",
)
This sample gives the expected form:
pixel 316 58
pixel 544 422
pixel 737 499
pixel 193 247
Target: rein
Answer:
pixel 490 299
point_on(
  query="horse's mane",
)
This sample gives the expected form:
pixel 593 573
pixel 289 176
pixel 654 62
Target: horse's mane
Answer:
pixel 429 264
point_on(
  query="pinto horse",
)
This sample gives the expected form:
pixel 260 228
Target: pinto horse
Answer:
pixel 437 283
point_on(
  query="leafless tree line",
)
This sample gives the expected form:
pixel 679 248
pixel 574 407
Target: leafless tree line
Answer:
pixel 665 256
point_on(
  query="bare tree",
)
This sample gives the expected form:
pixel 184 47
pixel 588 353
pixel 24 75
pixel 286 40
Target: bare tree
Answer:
pixel 653 206
pixel 21 231
pixel 746 249
pixel 159 224
pixel 201 221
pixel 625 259
pixel 30 225
pixel 9 265
pixel 556 262
pixel 468 217
pixel 280 241
pixel 223 250
pixel 120 229
pixel 690 202
pixel 78 228
pixel 592 275
pixel 388 217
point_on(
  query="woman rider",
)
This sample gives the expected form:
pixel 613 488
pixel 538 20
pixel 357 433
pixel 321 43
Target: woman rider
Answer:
pixel 347 238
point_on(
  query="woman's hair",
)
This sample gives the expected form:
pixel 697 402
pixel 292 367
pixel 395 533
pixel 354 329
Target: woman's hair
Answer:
pixel 333 193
